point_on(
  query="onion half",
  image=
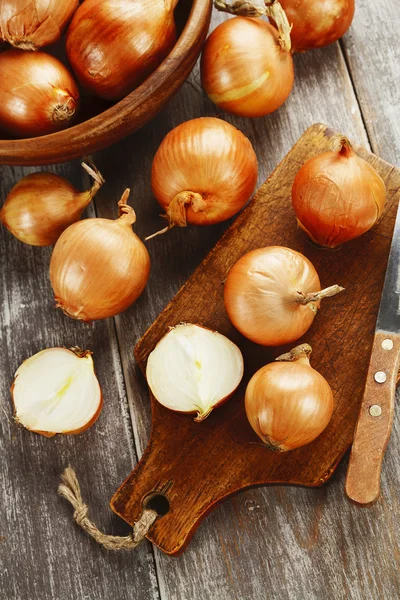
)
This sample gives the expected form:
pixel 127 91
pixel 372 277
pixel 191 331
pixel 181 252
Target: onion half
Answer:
pixel 57 391
pixel 194 369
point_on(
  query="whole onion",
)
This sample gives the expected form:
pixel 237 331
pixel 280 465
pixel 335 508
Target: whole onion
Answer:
pixel 337 196
pixel 246 65
pixel 272 295
pixel 99 267
pixel 288 403
pixel 113 45
pixel 38 95
pixel 42 205
pixel 204 172
pixel 317 23
pixel 32 24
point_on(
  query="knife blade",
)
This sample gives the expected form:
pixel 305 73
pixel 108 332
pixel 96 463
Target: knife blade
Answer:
pixel 375 419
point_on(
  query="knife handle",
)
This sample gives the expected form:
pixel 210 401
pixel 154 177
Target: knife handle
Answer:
pixel 375 420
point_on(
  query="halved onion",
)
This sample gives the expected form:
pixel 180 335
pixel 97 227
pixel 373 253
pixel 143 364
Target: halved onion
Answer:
pixel 57 391
pixel 194 369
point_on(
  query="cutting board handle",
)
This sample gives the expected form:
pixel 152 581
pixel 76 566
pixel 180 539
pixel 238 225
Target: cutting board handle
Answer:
pixel 375 420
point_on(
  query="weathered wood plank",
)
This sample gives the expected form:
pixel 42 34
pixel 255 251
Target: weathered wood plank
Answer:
pixel 372 50
pixel 43 554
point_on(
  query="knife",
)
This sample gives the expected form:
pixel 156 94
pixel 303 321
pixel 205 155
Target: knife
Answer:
pixel 376 414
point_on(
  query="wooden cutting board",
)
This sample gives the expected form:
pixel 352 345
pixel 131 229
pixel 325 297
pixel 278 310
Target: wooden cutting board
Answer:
pixel 189 467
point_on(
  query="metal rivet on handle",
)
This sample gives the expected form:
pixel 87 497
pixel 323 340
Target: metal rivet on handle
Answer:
pixel 387 344
pixel 380 377
pixel 375 410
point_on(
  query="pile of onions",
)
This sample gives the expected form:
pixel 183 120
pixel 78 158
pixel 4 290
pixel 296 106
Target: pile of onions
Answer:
pixel 32 24
pixel 42 205
pixel 99 267
pixel 246 65
pixel 317 23
pixel 203 173
pixel 288 403
pixel 337 196
pixel 57 391
pixel 193 370
pixel 273 294
pixel 113 45
pixel 37 95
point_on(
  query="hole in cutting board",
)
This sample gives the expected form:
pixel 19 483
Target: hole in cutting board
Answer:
pixel 157 502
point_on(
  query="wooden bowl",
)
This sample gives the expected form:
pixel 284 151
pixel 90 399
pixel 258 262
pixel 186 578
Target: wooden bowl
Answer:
pixel 128 115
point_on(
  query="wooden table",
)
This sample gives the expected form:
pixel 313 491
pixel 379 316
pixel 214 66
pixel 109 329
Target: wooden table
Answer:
pixel 275 543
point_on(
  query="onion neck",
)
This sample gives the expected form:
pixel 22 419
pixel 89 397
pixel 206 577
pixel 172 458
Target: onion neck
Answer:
pixel 176 211
pixel 310 299
pixel 98 181
pixel 127 215
pixel 276 12
pixel 346 149
pixel 97 177
pixel 299 354
pixel 332 290
pixel 271 9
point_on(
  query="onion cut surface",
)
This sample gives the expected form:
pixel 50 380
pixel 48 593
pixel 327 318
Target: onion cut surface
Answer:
pixel 193 369
pixel 57 391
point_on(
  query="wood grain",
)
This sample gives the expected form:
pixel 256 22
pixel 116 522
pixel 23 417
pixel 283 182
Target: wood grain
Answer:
pixel 125 116
pixel 206 463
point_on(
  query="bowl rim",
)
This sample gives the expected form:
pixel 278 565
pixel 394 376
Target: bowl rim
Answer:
pixel 115 122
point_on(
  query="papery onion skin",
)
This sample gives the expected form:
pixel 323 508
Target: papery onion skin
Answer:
pixel 177 361
pixel 82 354
pixel 244 69
pixel 42 205
pixel 38 95
pixel 317 23
pixel 99 267
pixel 288 404
pixel 114 45
pixel 32 24
pixel 337 196
pixel 211 159
pixel 267 295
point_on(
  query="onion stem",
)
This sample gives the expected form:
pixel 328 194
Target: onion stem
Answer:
pixel 271 9
pixel 127 215
pixel 301 351
pixel 332 290
pixel 176 211
pixel 95 174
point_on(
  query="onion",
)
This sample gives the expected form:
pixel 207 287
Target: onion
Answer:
pixel 31 24
pixel 273 294
pixel 194 370
pixel 317 23
pixel 42 205
pixel 203 173
pixel 246 65
pixel 57 391
pixel 289 404
pixel 99 267
pixel 113 45
pixel 37 94
pixel 337 196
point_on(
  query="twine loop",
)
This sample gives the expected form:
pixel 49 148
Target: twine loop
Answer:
pixel 71 491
